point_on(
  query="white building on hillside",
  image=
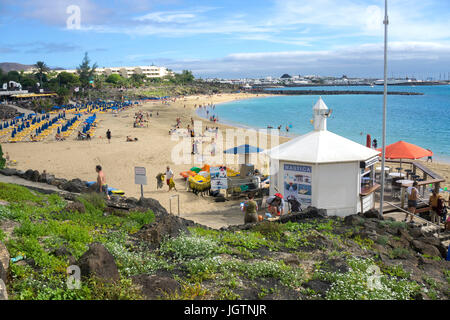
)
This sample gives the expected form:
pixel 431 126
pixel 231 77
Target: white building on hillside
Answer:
pixel 126 72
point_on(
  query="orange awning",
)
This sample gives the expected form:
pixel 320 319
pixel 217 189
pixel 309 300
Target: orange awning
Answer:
pixel 405 150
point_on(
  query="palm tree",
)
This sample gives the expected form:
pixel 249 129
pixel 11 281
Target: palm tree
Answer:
pixel 42 68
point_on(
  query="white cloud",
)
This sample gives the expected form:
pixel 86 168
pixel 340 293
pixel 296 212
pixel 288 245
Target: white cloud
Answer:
pixel 360 60
pixel 167 17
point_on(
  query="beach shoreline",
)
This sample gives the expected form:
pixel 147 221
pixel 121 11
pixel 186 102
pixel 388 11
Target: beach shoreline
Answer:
pixel 72 159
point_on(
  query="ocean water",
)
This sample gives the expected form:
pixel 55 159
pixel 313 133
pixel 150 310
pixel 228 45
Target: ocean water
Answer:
pixel 423 120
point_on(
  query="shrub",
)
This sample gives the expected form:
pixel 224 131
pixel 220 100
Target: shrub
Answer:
pixel 401 253
pixel 121 290
pixel 269 229
pixel 14 193
pixel 356 284
pixel 92 200
pixel 382 240
pixel 185 246
pixel 2 160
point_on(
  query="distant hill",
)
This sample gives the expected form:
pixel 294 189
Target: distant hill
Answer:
pixel 12 66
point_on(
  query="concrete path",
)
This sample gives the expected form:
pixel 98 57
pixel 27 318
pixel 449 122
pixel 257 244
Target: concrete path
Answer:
pixel 22 182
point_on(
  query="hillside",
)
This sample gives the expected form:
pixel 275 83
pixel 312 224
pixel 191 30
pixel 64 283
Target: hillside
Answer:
pixel 130 249
pixel 12 66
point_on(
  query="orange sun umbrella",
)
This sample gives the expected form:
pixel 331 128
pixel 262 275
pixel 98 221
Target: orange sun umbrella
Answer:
pixel 405 150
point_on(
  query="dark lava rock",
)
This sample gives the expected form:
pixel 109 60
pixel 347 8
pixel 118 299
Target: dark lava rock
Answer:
pixel 168 226
pixel 46 178
pixel 372 213
pixel 436 243
pixel 404 234
pixel 309 213
pixel 320 287
pixel 353 220
pixel 31 175
pixel 415 232
pixel 154 287
pixel 116 212
pixel 425 248
pixel 75 185
pixel 57 182
pixel 97 261
pixel 64 252
pixel 336 265
pixel 75 207
pixel 153 205
pixel 8 172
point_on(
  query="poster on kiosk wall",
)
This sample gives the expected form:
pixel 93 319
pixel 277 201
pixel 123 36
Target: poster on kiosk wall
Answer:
pixel 297 183
pixel 218 178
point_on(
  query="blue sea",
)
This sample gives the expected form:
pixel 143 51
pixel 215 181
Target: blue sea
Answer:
pixel 422 120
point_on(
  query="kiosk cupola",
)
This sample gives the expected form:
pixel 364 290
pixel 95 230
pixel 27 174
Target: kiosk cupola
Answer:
pixel 320 113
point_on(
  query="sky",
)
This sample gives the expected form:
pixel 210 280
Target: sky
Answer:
pixel 232 38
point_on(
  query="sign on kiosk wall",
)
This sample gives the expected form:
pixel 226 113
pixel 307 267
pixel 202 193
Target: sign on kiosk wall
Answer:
pixel 218 178
pixel 297 182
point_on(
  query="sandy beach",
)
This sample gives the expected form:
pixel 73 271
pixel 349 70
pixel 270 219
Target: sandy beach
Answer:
pixel 77 159
pixel 153 150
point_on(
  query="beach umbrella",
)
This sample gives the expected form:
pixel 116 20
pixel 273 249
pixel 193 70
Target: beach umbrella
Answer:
pixel 404 150
pixel 244 149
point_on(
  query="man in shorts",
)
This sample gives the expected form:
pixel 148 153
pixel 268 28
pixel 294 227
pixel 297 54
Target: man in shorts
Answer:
pixel 413 194
pixel 169 176
pixel 101 181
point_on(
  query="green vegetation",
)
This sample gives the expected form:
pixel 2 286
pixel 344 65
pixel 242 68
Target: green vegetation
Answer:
pixel 2 160
pixel 86 71
pixel 45 225
pixel 362 283
pixel 269 261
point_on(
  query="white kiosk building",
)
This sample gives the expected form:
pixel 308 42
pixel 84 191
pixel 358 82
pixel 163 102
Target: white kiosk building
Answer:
pixel 324 170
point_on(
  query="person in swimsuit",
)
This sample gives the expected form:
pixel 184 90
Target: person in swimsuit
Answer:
pixel 412 201
pixel 101 181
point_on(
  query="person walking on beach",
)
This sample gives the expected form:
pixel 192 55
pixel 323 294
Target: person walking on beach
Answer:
pixel 412 201
pixel 101 181
pixel 108 135
pixel 251 210
pixel 169 177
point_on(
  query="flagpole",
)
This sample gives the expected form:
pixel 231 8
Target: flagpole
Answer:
pixel 383 153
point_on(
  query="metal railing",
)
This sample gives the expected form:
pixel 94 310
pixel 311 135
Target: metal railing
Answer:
pixel 178 203
pixel 428 223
